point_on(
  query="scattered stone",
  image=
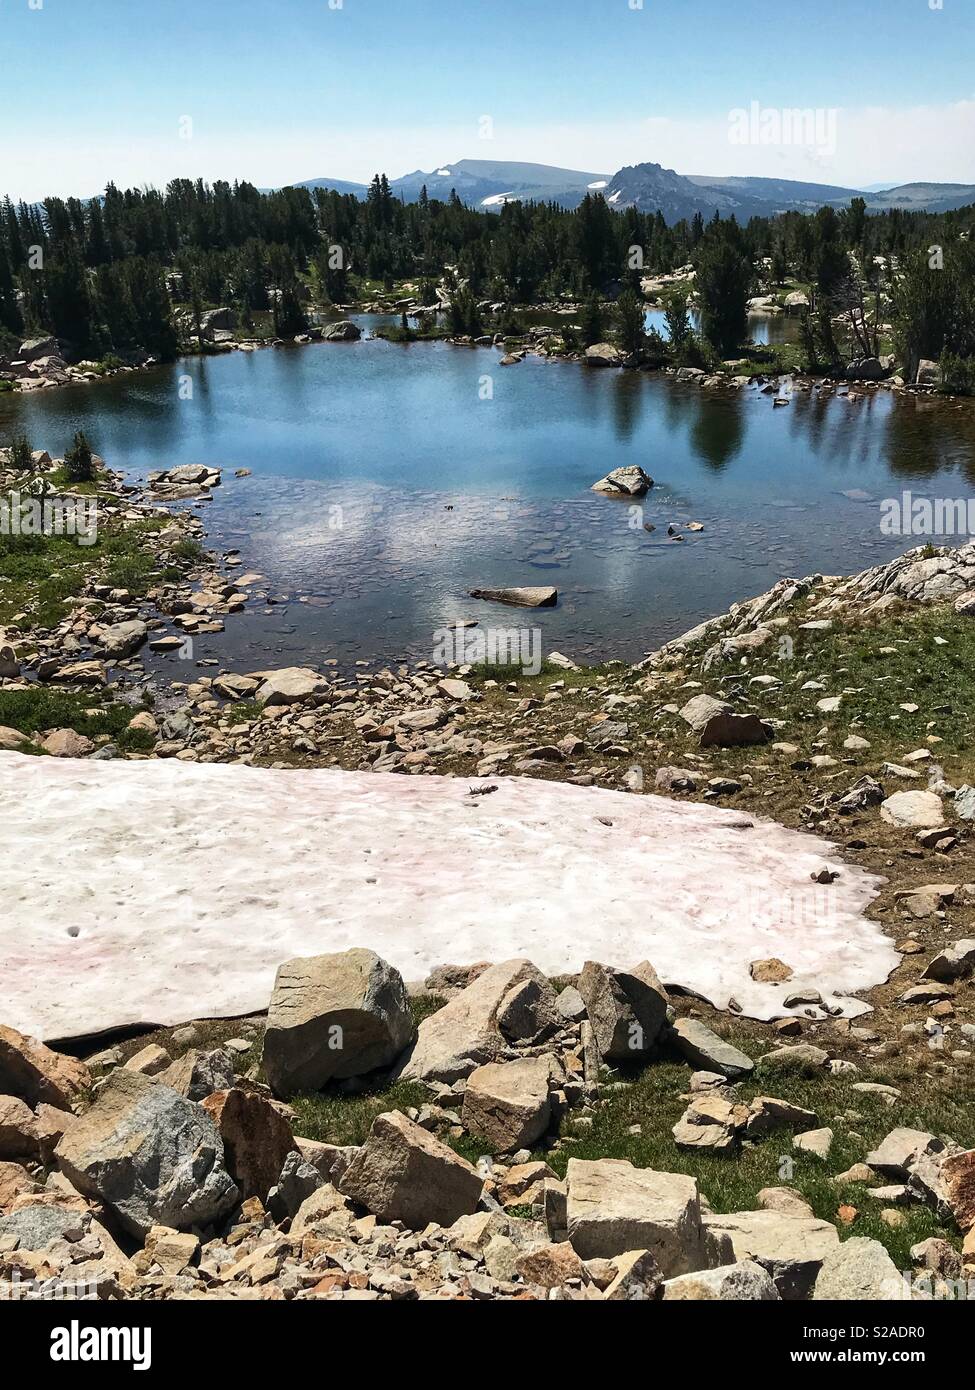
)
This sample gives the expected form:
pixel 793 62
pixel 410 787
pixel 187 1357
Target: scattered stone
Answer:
pixel 612 1208
pixel 858 1270
pixel 37 1074
pixel 744 1281
pixel 508 1103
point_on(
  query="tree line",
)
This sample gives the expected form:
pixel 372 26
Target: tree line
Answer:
pixel 136 269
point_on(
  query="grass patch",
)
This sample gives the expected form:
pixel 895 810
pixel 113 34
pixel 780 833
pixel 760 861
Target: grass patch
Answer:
pixel 40 707
pixel 655 1100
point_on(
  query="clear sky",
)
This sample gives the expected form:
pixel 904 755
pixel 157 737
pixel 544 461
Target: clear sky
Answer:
pixel 282 90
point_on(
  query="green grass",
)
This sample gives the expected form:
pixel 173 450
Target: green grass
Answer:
pixel 39 574
pixel 40 707
pixel 654 1100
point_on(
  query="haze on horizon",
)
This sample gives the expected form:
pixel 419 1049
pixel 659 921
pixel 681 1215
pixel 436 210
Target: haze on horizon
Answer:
pixel 300 89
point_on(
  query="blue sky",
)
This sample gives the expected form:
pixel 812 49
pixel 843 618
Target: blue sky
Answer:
pixel 278 90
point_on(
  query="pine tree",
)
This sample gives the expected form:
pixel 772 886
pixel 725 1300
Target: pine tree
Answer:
pixel 79 462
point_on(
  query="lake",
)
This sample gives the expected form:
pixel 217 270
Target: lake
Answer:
pixel 388 481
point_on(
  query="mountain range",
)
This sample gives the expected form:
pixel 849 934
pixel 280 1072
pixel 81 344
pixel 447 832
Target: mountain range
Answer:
pixel 649 187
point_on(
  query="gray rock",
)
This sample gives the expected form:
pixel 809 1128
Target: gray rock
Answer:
pixel 630 481
pixel 800 1060
pixel 913 810
pixel 120 640
pixel 860 1270
pixel 151 1155
pixel 537 597
pixel 334 1016
pixel 465 1033
pixel 508 1104
pixel 627 1008
pixel 706 1050
pixel 899 1153
pixel 197 1075
pixel 719 724
pixel 791 1249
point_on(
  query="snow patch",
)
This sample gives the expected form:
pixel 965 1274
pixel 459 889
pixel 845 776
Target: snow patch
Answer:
pixel 614 197
pixel 498 198
pixel 161 891
pixel 600 183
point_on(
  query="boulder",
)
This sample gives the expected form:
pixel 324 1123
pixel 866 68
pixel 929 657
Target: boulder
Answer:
pixel 705 1049
pixel 256 1139
pixel 900 1151
pixel 119 640
pixel 543 596
pixel 790 1248
pixel 802 1059
pixel 15 1181
pixel 928 373
pixel 603 355
pixel 37 1074
pixel 292 685
pixel 612 1208
pixel 334 1016
pixel 529 1011
pixel 402 1173
pixel 466 1033
pixel 630 481
pixel 637 1277
pixel 9 665
pixel 550 1266
pixel 344 332
pixel 955 962
pixel 745 1281
pixel 65 743
pixel 769 1114
pixel 151 1155
pixel 913 810
pixel 35 348
pixel 231 686
pixel 627 1009
pixel 508 1103
pixel 719 724
pixel 860 1270
pixel 958 1186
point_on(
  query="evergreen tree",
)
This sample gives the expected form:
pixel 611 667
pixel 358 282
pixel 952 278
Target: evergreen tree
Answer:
pixel 79 462
pixel 723 279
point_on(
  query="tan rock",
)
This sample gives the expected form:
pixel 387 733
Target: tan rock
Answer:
pixel 18 1132
pixel 37 1073
pixel 551 1266
pixel 612 1208
pixel 508 1103
pixel 402 1173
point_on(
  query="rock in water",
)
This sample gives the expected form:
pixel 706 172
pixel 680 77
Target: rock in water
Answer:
pixel 402 1173
pixel 152 1156
pixel 331 1016
pixel 539 597
pixel 625 482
